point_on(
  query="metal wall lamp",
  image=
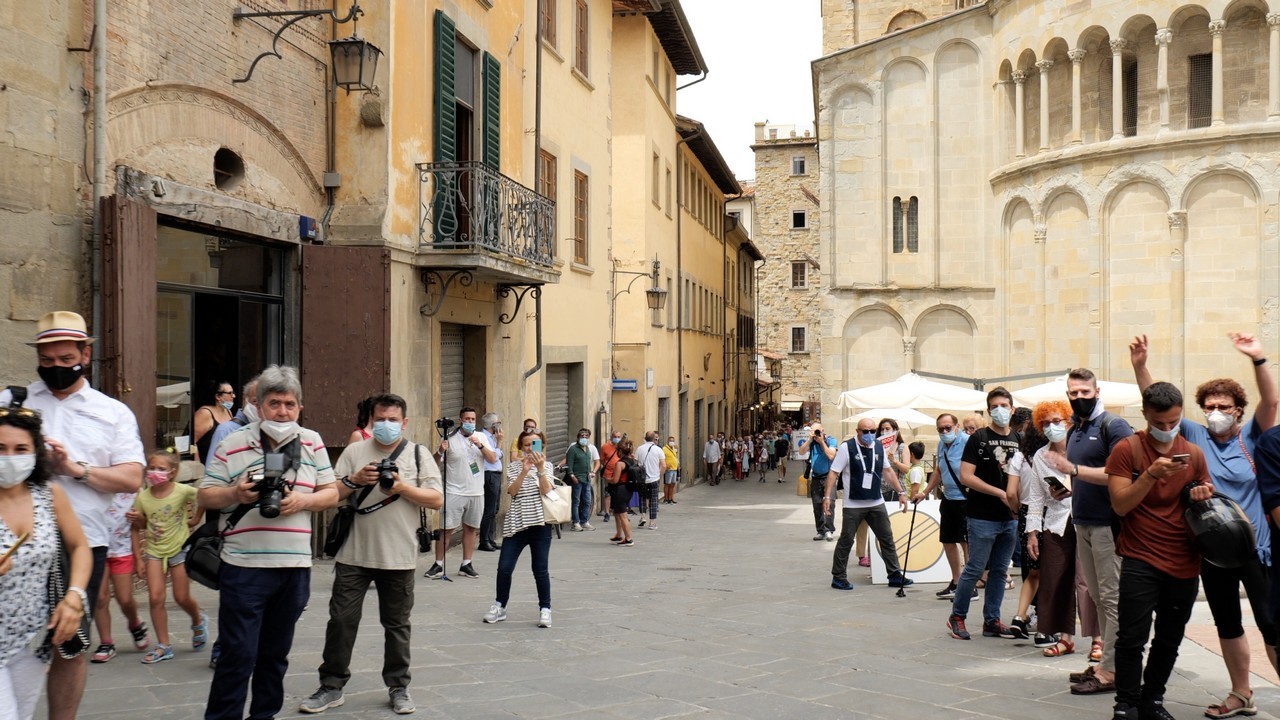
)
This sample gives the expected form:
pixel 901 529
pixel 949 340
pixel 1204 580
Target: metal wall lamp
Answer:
pixel 655 297
pixel 353 59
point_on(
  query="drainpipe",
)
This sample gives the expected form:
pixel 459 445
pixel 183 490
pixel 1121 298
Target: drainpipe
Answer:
pixel 99 166
pixel 537 311
pixel 694 82
pixel 331 151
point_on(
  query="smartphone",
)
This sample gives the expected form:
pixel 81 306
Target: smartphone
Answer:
pixel 537 445
pixel 1055 483
pixel 1185 458
pixel 14 548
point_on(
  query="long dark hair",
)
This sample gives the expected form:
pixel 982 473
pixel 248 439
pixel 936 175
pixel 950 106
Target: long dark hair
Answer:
pixel 1032 440
pixel 364 411
pixel 30 423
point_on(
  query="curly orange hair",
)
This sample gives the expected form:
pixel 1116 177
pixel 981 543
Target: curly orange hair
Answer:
pixel 1045 409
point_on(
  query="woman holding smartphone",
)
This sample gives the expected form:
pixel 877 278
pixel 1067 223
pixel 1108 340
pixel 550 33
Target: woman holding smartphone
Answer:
pixel 528 479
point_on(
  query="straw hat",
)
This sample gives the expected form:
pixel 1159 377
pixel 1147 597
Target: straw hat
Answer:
pixel 61 325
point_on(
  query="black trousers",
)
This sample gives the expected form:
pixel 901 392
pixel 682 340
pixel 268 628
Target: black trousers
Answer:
pixel 824 522
pixel 492 499
pixel 1144 592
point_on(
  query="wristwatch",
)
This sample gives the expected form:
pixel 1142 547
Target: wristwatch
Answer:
pixel 85 477
pixel 1075 470
pixel 84 598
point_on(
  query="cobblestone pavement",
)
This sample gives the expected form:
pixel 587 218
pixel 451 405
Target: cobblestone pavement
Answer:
pixel 725 611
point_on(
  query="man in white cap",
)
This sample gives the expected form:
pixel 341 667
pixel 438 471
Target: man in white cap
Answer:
pixel 95 452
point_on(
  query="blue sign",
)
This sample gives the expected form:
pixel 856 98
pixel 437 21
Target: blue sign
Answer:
pixel 632 385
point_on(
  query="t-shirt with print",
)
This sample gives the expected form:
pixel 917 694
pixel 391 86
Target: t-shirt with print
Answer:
pixel 256 541
pixel 464 465
pixel 1155 531
pixel 167 519
pixel 121 544
pixel 990 453
pixel 385 539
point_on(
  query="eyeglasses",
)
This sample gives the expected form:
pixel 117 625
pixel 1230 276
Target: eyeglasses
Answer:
pixel 946 428
pixel 1223 408
pixel 232 393
pixel 19 412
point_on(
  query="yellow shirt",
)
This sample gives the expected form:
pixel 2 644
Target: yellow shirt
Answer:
pixel 167 519
pixel 673 457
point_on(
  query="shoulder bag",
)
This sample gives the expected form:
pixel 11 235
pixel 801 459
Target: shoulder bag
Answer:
pixel 344 519
pixel 56 589
pixel 555 504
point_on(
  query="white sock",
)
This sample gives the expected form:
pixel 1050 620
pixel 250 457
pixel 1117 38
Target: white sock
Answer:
pixel 465 562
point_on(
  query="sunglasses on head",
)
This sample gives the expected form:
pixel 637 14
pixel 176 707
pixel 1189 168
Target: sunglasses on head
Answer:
pixel 20 412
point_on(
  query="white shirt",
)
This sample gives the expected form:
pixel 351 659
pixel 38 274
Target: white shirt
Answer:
pixel 652 457
pixel 1043 512
pixel 464 465
pixel 96 429
pixel 842 465
pixel 711 451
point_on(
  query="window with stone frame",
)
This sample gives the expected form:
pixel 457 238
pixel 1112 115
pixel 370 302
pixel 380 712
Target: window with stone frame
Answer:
pixel 547 20
pixel 1199 90
pixel 899 243
pixel 1129 87
pixel 913 225
pixel 799 275
pixel 799 220
pixel 798 165
pixel 547 182
pixel 799 339
pixel 580 37
pixel 580 204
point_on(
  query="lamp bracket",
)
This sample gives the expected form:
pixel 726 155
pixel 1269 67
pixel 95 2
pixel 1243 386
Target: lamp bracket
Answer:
pixel 294 17
pixel 519 291
pixel 433 278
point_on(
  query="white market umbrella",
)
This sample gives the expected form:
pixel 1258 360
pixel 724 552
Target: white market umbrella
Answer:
pixel 1112 394
pixel 913 391
pixel 904 416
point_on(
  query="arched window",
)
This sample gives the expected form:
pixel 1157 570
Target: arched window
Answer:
pixel 898 244
pixel 913 225
pixel 904 20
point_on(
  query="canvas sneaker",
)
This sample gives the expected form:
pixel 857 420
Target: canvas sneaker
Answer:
pixel 587 526
pixel 322 700
pixel 544 618
pixel 898 580
pixel 496 614
pixel 401 703
pixel 831 537
pixel 1020 628
pixel 955 625
pixel 819 537
pixel 576 528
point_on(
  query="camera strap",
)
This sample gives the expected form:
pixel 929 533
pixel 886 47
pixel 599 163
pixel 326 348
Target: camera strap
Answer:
pixel 355 503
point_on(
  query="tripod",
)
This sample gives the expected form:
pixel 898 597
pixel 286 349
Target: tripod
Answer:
pixel 443 427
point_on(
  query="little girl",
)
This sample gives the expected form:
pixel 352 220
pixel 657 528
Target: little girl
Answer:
pixel 163 515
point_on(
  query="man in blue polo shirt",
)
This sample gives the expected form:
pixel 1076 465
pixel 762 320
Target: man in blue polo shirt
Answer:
pixel 952 528
pixel 821 450
pixel 1094 433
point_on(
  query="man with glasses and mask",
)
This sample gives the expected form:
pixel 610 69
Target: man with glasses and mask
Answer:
pixel 94 452
pixel 952 532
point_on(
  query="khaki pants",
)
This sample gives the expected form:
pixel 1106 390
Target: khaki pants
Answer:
pixel 1096 550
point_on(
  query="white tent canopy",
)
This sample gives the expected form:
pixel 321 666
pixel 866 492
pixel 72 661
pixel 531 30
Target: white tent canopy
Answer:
pixel 1112 394
pixel 913 391
pixel 905 416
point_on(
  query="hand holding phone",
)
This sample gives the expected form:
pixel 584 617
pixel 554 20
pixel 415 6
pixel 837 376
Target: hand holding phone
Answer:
pixel 537 445
pixel 1183 458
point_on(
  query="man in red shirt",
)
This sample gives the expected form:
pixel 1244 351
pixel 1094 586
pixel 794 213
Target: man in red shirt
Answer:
pixel 1160 565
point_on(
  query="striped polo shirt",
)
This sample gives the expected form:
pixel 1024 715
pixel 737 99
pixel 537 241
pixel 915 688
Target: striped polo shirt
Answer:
pixel 280 542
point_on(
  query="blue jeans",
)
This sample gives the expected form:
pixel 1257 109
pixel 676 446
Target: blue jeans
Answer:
pixel 989 540
pixel 538 539
pixel 583 496
pixel 259 608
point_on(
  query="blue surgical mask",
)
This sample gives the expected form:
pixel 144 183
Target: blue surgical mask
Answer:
pixel 468 428
pixel 1001 416
pixel 1055 432
pixel 949 436
pixel 868 438
pixel 1164 436
pixel 227 404
pixel 386 431
pixel 584 441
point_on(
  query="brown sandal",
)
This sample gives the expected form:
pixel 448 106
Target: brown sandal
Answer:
pixel 1076 677
pixel 1063 647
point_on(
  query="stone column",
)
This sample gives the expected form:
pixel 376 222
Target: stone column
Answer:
pixel 1273 74
pixel 1117 87
pixel 1044 66
pixel 1019 113
pixel 1178 300
pixel 1077 57
pixel 1164 36
pixel 1216 28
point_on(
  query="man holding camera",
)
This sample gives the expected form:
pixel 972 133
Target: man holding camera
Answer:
pixel 386 479
pixel 274 473
pixel 820 450
pixel 464 453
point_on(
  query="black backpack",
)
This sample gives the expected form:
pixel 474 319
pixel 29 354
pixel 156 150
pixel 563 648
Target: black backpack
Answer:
pixel 635 475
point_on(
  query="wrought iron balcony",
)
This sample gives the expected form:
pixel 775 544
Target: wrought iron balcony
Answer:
pixel 471 215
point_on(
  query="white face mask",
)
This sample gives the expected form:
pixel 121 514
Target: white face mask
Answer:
pixel 279 431
pixel 250 413
pixel 1220 422
pixel 15 469
pixel 1000 415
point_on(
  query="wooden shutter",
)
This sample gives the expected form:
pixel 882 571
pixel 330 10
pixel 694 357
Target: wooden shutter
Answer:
pixel 346 334
pixel 127 339
pixel 446 125
pixel 492 111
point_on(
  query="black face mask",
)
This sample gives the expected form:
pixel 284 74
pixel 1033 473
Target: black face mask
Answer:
pixel 60 378
pixel 1084 407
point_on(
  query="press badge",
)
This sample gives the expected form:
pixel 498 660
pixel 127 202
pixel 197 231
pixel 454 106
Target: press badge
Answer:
pixel 475 469
pixel 867 480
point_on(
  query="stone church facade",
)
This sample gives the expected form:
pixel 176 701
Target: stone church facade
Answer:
pixel 1021 187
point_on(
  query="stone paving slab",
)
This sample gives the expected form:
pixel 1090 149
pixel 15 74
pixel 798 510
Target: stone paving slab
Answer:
pixel 724 612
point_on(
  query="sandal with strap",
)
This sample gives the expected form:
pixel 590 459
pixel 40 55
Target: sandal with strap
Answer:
pixel 1064 647
pixel 1222 710
pixel 1095 652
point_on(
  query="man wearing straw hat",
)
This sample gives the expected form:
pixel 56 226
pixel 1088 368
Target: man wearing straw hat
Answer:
pixel 95 452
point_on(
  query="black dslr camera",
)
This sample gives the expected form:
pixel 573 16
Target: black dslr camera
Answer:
pixel 385 469
pixel 444 425
pixel 270 485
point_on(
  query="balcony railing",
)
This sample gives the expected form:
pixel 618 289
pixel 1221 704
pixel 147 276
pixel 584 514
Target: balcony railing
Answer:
pixel 471 206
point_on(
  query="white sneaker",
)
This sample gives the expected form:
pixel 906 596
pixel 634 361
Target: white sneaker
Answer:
pixel 544 617
pixel 587 526
pixel 577 527
pixel 830 537
pixel 496 614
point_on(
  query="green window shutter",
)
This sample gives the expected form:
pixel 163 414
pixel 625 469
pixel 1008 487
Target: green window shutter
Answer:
pixel 492 111
pixel 446 124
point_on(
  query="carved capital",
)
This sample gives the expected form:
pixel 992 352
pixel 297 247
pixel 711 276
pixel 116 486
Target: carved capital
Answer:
pixel 1019 77
pixel 908 346
pixel 1040 232
pixel 1177 219
pixel 1273 19
pixel 1164 36
pixel 1119 45
pixel 1217 27
pixel 1077 55
pixel 1045 66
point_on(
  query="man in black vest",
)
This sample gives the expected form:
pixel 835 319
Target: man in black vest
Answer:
pixel 861 462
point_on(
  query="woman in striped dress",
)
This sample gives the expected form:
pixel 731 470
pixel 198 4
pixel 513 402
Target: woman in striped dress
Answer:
pixel 528 478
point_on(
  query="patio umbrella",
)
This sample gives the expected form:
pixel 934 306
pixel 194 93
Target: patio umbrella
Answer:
pixel 1112 394
pixel 913 391
pixel 904 416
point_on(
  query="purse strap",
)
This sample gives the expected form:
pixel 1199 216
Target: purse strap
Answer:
pixel 1245 450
